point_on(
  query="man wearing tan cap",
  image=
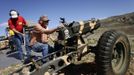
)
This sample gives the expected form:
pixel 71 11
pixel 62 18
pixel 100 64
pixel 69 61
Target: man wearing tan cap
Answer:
pixel 39 36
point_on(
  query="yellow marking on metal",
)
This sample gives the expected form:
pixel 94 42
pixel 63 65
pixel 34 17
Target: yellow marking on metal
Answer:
pixel 47 73
pixel 65 59
pixel 79 41
pixel 92 24
pixel 81 26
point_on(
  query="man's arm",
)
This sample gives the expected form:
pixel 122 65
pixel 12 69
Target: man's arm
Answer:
pixel 17 31
pixel 43 30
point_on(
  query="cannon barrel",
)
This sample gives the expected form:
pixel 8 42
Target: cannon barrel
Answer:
pixel 81 27
pixel 84 27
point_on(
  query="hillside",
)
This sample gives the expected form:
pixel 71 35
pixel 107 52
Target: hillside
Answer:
pixel 120 20
pixel 125 24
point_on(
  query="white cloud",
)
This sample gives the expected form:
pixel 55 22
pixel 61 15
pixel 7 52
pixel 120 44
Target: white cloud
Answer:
pixel 2 28
pixel 3 24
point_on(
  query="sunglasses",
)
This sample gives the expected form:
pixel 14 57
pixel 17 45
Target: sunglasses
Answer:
pixel 46 21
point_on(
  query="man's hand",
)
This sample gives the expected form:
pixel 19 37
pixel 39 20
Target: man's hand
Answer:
pixel 60 26
pixel 22 34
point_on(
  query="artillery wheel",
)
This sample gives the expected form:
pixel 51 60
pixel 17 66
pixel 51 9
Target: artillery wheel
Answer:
pixel 113 55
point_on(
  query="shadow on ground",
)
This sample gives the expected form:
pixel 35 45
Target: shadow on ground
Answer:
pixel 79 69
pixel 13 55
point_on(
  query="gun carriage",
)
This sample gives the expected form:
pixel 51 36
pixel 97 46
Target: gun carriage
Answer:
pixel 112 52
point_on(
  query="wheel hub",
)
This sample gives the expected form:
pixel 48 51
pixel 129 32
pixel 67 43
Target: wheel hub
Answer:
pixel 117 56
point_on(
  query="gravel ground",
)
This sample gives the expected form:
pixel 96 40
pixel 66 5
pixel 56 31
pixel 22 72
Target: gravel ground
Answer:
pixel 80 68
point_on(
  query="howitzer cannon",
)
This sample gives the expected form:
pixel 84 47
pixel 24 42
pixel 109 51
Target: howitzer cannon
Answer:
pixel 112 52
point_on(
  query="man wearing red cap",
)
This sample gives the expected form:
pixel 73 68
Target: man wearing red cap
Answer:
pixel 39 37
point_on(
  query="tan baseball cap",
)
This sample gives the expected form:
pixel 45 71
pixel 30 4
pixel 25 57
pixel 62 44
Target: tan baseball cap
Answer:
pixel 44 18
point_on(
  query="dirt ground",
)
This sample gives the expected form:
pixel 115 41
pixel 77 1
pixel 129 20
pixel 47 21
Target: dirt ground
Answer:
pixel 89 68
pixel 85 68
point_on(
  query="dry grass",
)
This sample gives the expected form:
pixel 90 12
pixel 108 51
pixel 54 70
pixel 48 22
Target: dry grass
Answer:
pixel 10 69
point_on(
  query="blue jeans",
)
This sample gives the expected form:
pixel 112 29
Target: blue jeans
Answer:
pixel 40 47
pixel 18 40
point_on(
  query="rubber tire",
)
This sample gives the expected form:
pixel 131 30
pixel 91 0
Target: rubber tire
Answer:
pixel 105 46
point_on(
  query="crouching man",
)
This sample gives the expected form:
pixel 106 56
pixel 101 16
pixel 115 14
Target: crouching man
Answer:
pixel 39 35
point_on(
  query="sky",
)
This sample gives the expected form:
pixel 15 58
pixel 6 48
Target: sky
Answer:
pixel 71 10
